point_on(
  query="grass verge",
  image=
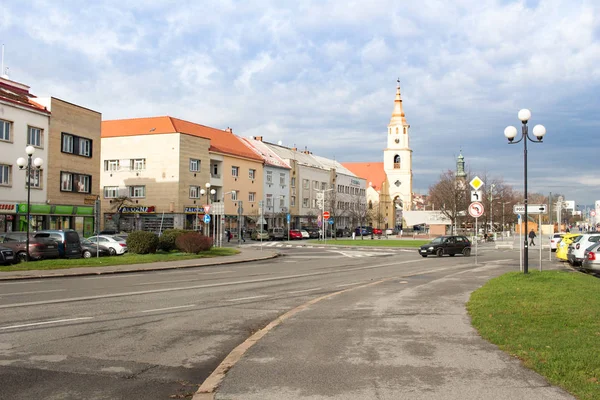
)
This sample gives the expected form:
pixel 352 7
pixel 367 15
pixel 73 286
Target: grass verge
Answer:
pixel 125 259
pixel 373 243
pixel 549 320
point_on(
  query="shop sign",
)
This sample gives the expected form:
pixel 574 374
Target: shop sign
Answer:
pixel 137 210
pixel 90 200
pixel 8 208
pixel 355 182
pixel 194 210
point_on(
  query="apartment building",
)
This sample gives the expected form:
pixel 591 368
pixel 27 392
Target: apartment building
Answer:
pixel 23 122
pixel 276 187
pixel 160 172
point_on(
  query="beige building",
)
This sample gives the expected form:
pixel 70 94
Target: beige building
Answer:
pixel 160 172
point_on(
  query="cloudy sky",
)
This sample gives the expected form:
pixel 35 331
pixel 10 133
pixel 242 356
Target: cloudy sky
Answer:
pixel 322 74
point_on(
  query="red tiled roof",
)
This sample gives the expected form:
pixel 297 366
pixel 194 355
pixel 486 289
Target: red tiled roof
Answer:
pixel 220 141
pixel 371 171
pixel 19 96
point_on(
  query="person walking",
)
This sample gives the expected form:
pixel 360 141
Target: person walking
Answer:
pixel 532 236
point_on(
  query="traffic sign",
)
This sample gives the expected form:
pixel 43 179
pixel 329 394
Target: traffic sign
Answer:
pixel 476 209
pixel 325 215
pixel 531 209
pixel 206 218
pixel 206 208
pixel 592 213
pixel 476 195
pixel 476 183
pixel 330 222
pixel 289 218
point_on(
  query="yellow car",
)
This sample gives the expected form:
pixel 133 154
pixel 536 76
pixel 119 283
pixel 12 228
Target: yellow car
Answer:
pixel 563 246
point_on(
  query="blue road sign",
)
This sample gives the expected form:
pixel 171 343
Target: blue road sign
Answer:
pixel 289 218
pixel 206 218
pixel 330 221
pixel 519 217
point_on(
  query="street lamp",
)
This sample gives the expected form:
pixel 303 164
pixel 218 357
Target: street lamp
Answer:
pixel 223 219
pixel 503 226
pixel 511 132
pixel 208 192
pixel 27 165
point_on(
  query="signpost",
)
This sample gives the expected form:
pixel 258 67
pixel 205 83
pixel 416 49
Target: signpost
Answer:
pixel 531 209
pixel 476 210
pixel 520 243
pixel 326 215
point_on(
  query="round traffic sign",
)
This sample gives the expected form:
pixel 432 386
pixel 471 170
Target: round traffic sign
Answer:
pixel 476 209
pixel 593 213
pixel 325 215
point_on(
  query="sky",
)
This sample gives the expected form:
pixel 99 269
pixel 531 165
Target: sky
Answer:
pixel 322 75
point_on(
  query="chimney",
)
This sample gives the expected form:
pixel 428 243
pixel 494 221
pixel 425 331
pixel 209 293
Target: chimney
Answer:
pixel 229 130
pixel 259 138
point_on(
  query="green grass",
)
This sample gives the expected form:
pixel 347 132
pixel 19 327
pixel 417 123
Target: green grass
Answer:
pixel 125 259
pixel 550 320
pixel 373 243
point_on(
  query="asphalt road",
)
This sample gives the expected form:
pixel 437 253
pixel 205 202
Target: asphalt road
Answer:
pixel 159 335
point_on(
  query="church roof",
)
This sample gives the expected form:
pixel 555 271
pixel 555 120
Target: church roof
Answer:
pixel 398 113
pixel 373 172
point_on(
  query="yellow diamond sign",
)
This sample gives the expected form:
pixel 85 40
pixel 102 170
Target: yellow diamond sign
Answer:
pixel 476 183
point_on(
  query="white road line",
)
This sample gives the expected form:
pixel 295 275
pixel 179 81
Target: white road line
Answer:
pixel 113 276
pixel 403 281
pixel 247 298
pixel 57 321
pixel 169 308
pixel 213 273
pixel 305 290
pixel 288 245
pixel 20 283
pixel 34 292
pixel 349 284
pixel 161 282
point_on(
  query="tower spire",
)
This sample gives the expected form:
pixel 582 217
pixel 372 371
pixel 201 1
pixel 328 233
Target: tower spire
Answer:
pixel 398 113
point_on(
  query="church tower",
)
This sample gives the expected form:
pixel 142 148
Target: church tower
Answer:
pixel 397 160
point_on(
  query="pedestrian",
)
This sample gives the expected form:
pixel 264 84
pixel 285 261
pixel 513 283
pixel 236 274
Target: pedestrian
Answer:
pixel 244 234
pixel 531 237
pixel 228 236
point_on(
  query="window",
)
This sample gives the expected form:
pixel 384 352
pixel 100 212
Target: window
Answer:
pixel 5 175
pixel 235 171
pixel 111 165
pixel 323 185
pixel 137 192
pixel 85 147
pixel 281 178
pixel 251 173
pixel 282 201
pixel 269 200
pixel 70 182
pixel 36 178
pixel 34 136
pixel 215 171
pixel 269 176
pixel 251 197
pixel 84 184
pixel 292 201
pixel 340 189
pixel 305 184
pixel 5 130
pixel 293 181
pixel 111 192
pixel 396 161
pixel 234 195
pixel 194 165
pixel 137 164
pixel 305 202
pixel 67 143
pixel 315 184
pixel 66 182
pixel 194 192
pixel 314 203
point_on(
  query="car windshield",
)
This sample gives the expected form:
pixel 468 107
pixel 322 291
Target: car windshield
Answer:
pixel 577 239
pixel 437 240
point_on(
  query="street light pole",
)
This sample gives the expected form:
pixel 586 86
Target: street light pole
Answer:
pixel 511 132
pixel 27 165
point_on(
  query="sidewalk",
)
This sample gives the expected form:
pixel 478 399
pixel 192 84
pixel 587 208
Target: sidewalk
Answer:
pixel 245 255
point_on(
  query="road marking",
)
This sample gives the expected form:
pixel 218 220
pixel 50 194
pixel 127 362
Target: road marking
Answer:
pixel 113 276
pixel 169 308
pixel 213 273
pixel 349 284
pixel 21 283
pixel 161 282
pixel 403 281
pixel 57 321
pixel 305 290
pixel 34 292
pixel 247 298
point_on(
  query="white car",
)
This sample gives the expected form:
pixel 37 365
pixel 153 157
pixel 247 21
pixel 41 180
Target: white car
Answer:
pixel 116 245
pixel 305 234
pixel 554 240
pixel 577 249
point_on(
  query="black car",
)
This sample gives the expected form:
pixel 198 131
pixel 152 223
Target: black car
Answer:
pixel 313 232
pixel 7 256
pixel 90 249
pixel 450 245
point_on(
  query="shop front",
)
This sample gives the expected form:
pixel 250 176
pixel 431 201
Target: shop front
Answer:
pixel 46 216
pixel 139 218
pixel 8 218
pixel 194 218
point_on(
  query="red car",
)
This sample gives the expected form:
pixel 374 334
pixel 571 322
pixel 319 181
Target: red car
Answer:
pixel 295 234
pixel 377 231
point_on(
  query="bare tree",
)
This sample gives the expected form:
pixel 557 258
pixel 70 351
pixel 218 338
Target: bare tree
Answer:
pixel 451 196
pixel 117 205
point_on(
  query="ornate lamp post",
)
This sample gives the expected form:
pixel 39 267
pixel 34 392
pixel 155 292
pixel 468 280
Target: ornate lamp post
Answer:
pixel 511 132
pixel 208 193
pixel 28 165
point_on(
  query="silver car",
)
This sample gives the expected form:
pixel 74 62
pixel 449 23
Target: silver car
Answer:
pixel 591 262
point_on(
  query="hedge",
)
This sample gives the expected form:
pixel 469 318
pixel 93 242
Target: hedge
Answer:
pixel 142 242
pixel 193 242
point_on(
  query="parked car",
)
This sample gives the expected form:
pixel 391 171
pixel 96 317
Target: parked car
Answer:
pixel 563 245
pixel 345 232
pixel 576 250
pixel 295 234
pixel 450 245
pixel 115 244
pixel 377 231
pixel 591 262
pixel 39 248
pixel 313 233
pixel 90 249
pixel 7 256
pixel 276 234
pixel 69 243
pixel 554 240
pixel 363 231
pixel 259 235
pixel 305 234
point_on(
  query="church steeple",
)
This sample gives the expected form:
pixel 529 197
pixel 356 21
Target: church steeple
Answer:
pixel 460 167
pixel 398 117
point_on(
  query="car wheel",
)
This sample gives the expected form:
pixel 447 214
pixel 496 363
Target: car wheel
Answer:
pixel 439 252
pixel 424 255
pixel 87 254
pixel 466 252
pixel 22 256
pixel 451 254
pixel 112 251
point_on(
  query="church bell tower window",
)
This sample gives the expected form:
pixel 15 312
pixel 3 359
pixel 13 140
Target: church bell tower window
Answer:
pixel 396 161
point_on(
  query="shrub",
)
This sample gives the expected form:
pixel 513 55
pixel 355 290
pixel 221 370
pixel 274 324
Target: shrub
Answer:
pixel 142 242
pixel 193 242
pixel 166 242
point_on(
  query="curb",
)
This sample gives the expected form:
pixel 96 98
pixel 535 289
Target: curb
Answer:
pixel 171 267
